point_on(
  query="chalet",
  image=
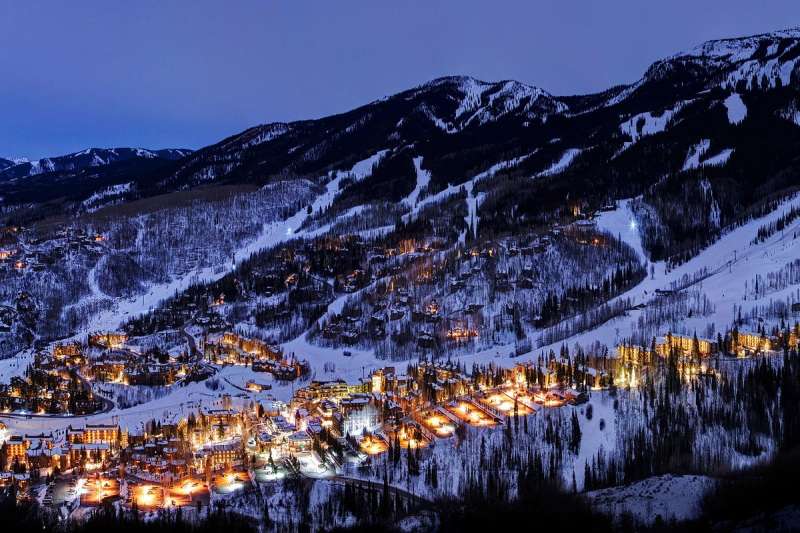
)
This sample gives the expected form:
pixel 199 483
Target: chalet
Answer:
pixel 426 340
pixel 300 441
pixel 501 281
pixel 746 342
pixel 109 434
pixel 359 414
pixel 461 333
pixel 632 353
pixel 349 336
pixel 108 340
pixel 72 352
pixel 153 375
pixel 318 390
pixel 109 371
pixel 15 450
pixel 685 345
pixel 220 455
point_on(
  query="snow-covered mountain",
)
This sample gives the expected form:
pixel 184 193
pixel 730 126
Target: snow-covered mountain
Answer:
pixel 91 157
pixel 472 222
pixel 750 63
pixel 697 112
pixel 478 102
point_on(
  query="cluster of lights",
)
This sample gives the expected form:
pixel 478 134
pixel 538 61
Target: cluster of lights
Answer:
pixel 439 425
pixel 472 415
pixel 372 445
pixel 148 496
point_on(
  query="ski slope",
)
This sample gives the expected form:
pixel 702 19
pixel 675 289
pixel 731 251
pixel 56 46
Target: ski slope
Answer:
pixel 731 263
pixel 271 234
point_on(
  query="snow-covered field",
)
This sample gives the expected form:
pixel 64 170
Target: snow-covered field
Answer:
pixel 668 496
pixel 731 262
pixel 271 234
pixel 180 401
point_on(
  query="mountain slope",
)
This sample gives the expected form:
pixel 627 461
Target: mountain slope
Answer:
pixel 524 150
pixel 91 157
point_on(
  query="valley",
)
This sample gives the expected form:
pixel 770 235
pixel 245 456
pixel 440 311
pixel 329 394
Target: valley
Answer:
pixel 464 292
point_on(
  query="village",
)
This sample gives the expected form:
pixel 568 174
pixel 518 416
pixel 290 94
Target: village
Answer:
pixel 21 250
pixel 326 429
pixel 329 428
pixel 71 378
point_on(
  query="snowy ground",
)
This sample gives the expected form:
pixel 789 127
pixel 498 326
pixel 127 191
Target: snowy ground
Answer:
pixel 731 261
pixel 15 366
pixel 671 497
pixel 271 235
pixel 179 402
pixel 598 432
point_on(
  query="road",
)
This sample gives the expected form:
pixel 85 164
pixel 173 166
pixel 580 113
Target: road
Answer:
pixel 378 486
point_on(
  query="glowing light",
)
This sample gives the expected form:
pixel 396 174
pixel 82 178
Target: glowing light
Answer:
pixel 372 445
pixel 148 496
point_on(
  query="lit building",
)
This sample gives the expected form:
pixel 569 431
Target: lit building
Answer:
pixel 746 342
pixel 359 415
pixel 685 345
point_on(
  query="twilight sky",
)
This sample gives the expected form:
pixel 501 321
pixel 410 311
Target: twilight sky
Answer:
pixel 157 73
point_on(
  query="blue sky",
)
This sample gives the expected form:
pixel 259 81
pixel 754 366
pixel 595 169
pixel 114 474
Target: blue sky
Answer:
pixel 188 73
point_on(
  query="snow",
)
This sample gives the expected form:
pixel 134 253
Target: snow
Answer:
pixel 668 496
pixel 695 157
pixel 651 124
pixel 484 102
pixel 792 114
pixel 362 169
pixel 719 159
pixel 15 366
pixel 472 91
pixel 267 133
pixel 730 262
pixel 737 111
pixel 755 72
pixel 40 166
pixel 272 234
pixel 438 122
pixel 472 201
pixel 562 164
pixel 695 153
pixel 178 402
pixel 423 179
pixel 622 223
pixel 593 438
pixel 16 160
pixel 509 97
pixel 147 154
pixel 114 190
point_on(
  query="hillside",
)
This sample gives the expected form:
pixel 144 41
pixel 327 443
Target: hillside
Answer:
pixel 464 301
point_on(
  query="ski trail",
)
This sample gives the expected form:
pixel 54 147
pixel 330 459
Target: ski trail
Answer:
pixel 96 294
pixel 272 234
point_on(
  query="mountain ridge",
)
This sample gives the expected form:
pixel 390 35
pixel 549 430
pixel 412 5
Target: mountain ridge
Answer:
pixel 461 126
